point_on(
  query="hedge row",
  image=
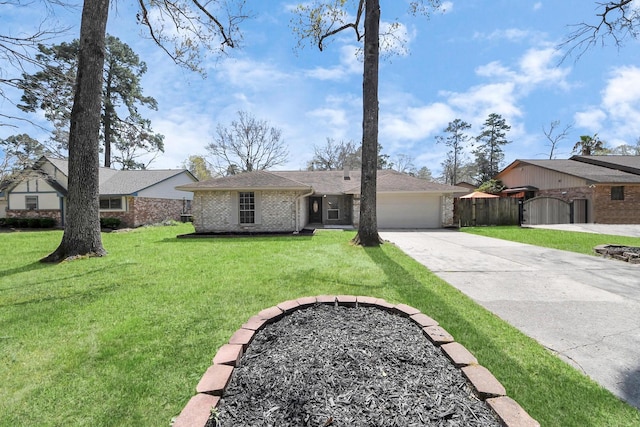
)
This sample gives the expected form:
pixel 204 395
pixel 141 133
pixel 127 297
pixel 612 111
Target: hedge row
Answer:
pixel 28 222
pixel 110 222
pixel 49 222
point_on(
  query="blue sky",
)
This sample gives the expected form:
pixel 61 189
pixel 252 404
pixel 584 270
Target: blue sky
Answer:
pixel 477 57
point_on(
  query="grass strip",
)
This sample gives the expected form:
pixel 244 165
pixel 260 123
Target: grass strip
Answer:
pixel 572 241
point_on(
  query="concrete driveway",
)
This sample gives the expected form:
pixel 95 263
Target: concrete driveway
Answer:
pixel 584 308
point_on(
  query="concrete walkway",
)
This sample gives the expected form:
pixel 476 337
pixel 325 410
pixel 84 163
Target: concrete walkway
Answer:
pixel 584 308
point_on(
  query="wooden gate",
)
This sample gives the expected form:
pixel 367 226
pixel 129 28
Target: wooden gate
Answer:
pixel 546 210
pixel 480 211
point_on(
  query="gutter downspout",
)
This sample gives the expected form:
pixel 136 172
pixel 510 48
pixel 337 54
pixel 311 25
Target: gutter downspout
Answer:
pixel 298 208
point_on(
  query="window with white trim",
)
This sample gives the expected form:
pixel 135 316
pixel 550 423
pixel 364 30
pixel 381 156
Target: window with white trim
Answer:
pixel 31 203
pixel 247 207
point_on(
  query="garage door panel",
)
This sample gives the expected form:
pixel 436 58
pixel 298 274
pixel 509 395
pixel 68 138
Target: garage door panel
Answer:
pixel 408 211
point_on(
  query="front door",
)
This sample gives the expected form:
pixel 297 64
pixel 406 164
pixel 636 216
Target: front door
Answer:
pixel 315 210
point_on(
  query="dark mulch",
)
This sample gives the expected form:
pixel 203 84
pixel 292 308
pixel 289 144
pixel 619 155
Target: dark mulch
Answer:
pixel 341 366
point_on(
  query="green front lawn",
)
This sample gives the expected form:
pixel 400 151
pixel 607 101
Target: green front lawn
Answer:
pixel 123 340
pixel 557 239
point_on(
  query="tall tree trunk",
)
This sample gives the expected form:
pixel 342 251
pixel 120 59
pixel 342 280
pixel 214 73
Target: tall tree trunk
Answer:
pixel 82 225
pixel 368 228
pixel 108 123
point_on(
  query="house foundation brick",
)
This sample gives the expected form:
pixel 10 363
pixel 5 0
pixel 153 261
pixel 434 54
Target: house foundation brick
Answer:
pixel 607 211
pixel 214 212
pixel 38 213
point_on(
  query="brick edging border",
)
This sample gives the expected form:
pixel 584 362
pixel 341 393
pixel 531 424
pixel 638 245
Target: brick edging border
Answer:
pixel 214 381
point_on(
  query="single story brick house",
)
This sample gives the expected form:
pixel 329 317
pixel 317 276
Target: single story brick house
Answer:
pixel 606 187
pixel 136 197
pixel 288 201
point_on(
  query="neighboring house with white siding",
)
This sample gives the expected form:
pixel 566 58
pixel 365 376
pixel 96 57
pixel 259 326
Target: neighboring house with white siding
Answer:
pixel 288 201
pixel 136 197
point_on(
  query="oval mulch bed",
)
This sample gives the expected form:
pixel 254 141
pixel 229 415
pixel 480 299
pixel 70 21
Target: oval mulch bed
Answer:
pixel 347 365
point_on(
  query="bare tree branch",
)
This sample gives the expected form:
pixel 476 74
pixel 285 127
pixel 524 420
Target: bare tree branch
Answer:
pixel 554 140
pixel 617 20
pixel 195 27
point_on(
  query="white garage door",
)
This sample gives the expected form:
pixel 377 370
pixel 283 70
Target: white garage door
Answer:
pixel 409 211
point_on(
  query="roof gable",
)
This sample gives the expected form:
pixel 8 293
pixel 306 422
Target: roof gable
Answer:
pixel 322 182
pixel 588 171
pixel 113 181
pixel 255 180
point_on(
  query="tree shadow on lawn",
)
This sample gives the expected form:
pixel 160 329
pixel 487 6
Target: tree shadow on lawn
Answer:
pixel 535 380
pixel 632 388
pixel 36 265
pixel 44 294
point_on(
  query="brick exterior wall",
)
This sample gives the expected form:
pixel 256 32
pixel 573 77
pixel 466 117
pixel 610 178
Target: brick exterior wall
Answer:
pixel 215 212
pixel 141 211
pixel 355 213
pixel 40 213
pixel 447 211
pixel 570 194
pixel 146 210
pixel 607 211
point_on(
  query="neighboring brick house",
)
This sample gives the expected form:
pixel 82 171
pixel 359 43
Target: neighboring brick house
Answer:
pixel 608 186
pixel 136 197
pixel 288 201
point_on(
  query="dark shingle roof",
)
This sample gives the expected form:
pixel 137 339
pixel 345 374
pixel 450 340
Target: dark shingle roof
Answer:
pixel 392 181
pixel 132 181
pixel 256 180
pixel 629 164
pixel 322 182
pixel 590 172
pixel 122 182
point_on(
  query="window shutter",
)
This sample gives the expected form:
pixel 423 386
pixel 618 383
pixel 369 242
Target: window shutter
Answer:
pixel 234 216
pixel 258 201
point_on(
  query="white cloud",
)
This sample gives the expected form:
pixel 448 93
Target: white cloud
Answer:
pixel 250 74
pixel 348 66
pixel 537 5
pixel 621 96
pixel 510 34
pixel 413 124
pixel 616 118
pixel 538 66
pixel 590 119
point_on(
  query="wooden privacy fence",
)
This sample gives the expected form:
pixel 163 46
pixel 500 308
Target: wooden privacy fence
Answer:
pixel 480 211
